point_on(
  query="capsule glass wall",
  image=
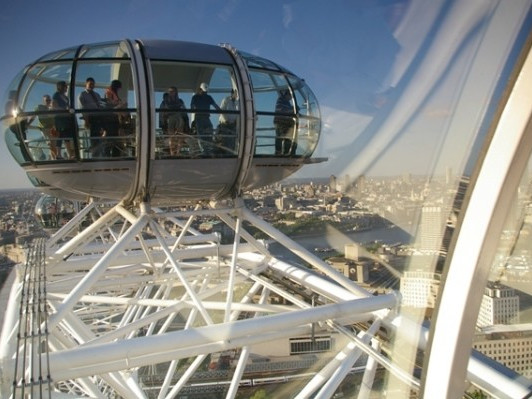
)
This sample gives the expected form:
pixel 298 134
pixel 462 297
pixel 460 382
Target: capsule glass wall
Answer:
pixel 183 132
pixel 48 123
pixel 51 123
pixel 107 122
pixel 288 116
pixel 52 212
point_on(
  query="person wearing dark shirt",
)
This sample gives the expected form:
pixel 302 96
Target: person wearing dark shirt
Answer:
pixel 65 123
pixel 90 100
pixel 174 119
pixel 203 101
pixel 284 125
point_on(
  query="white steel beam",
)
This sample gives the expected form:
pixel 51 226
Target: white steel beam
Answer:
pixel 490 201
pixel 143 350
pixel 304 254
pixel 348 357
pixel 94 274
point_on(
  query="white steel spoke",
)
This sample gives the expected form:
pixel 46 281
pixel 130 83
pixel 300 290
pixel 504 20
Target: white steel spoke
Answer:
pixel 141 304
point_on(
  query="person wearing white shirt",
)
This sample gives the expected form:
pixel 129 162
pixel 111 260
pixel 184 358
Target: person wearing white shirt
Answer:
pixel 228 121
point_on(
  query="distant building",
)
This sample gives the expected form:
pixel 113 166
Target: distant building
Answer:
pixel 500 305
pixel 361 183
pixel 362 272
pixel 432 229
pixel 348 183
pixel 332 183
pixel 508 345
pixel 269 201
pixel 7 237
pixel 352 251
pixel 356 268
pixel 284 203
pixel 295 346
pixel 419 289
pixel 449 177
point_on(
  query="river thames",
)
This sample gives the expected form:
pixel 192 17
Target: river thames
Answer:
pixel 336 240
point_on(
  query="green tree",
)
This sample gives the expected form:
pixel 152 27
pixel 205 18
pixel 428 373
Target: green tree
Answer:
pixel 477 395
pixel 260 394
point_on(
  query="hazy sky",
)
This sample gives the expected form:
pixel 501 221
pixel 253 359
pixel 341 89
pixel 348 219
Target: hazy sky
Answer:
pixel 354 54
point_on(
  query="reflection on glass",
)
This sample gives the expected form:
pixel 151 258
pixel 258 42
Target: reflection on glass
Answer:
pixel 385 217
pixel 109 50
pixel 53 213
pixel 58 55
pixel 42 80
pixel 504 324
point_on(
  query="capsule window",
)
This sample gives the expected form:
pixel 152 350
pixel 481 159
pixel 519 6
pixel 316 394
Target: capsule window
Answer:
pixel 33 135
pixel 105 50
pixel 105 109
pixel 42 80
pixel 195 114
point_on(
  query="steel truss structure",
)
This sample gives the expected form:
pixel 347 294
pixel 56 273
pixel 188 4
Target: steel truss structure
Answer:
pixel 125 308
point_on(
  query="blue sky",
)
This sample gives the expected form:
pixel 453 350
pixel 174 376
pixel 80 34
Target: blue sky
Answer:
pixel 357 56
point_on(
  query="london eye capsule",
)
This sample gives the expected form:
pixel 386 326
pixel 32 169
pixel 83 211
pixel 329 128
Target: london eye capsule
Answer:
pixel 52 212
pixel 158 120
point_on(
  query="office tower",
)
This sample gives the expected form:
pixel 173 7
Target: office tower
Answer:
pixel 500 305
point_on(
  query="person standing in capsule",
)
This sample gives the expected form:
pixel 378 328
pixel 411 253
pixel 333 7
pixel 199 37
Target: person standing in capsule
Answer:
pixel 90 100
pixel 203 101
pixel 114 119
pixel 65 123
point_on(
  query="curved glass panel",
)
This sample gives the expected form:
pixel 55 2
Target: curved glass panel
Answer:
pixel 10 95
pixel 276 126
pixel 105 50
pixel 52 212
pixel 65 54
pixel 53 126
pixel 14 131
pixel 40 80
pixel 44 99
pixel 504 325
pixel 405 160
pixel 103 88
pixel 309 124
pixel 254 61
